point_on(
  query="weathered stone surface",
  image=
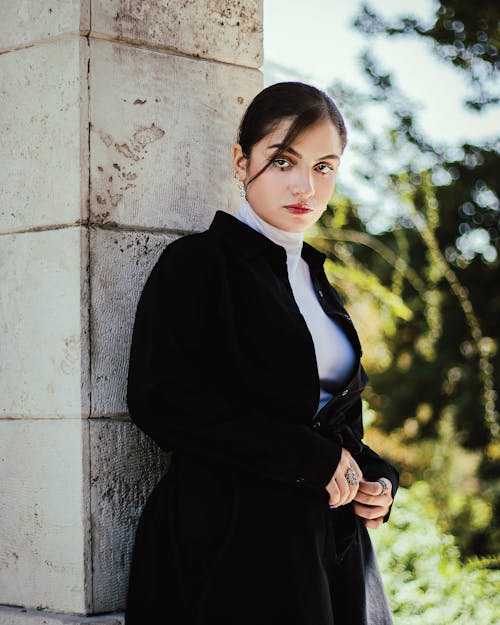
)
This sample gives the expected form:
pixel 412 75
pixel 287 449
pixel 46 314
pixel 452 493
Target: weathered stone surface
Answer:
pixel 28 21
pixel 120 264
pixel 126 465
pixel 43 324
pixel 18 616
pixel 163 127
pixel 229 31
pixel 44 129
pixel 41 532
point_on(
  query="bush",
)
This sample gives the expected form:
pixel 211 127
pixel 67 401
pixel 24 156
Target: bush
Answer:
pixel 425 580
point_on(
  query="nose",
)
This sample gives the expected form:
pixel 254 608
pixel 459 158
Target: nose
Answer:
pixel 302 185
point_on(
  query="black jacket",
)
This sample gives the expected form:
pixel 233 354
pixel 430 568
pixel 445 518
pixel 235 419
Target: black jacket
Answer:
pixel 223 371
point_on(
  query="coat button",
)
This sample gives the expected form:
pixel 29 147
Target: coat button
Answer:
pixel 344 393
pixel 300 481
pixel 317 425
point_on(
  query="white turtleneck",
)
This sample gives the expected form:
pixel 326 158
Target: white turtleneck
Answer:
pixel 334 353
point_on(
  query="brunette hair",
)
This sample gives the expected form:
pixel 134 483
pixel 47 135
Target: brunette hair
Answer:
pixel 305 104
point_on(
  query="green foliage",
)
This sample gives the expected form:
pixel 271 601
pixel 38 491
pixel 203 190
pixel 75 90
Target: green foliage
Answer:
pixel 425 580
pixel 463 33
pixel 413 244
pixel 419 270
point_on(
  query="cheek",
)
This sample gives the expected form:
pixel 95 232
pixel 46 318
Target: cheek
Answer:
pixel 327 185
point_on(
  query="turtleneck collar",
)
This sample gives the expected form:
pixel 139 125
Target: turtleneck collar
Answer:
pixel 291 241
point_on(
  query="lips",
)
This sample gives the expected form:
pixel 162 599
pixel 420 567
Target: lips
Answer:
pixel 298 209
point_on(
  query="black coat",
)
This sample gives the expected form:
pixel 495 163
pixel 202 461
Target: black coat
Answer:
pixel 223 372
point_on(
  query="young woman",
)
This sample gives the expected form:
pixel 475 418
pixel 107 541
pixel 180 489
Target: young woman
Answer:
pixel 245 364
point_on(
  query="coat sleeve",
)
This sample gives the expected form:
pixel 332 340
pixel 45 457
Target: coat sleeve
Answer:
pixel 171 392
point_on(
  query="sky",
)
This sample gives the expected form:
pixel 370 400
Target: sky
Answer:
pixel 316 40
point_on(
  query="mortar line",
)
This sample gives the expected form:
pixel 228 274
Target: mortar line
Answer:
pixel 111 226
pixel 73 224
pixel 89 322
pixel 142 45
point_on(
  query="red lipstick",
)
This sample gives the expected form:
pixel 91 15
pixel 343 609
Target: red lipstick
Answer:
pixel 298 209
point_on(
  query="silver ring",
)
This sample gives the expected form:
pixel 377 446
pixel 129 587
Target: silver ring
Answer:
pixel 351 477
pixel 384 485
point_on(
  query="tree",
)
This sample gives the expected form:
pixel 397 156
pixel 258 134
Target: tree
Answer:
pixel 463 33
pixel 427 281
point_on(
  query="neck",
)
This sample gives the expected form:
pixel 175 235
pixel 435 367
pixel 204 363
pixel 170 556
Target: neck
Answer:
pixel 291 241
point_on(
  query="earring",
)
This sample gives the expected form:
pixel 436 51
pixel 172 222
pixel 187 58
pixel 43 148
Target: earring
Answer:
pixel 241 185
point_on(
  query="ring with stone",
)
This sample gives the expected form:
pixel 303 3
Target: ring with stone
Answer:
pixel 351 477
pixel 384 485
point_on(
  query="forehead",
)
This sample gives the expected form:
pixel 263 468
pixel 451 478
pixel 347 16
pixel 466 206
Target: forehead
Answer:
pixel 322 137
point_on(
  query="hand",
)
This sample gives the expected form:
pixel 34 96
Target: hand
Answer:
pixel 370 504
pixel 340 491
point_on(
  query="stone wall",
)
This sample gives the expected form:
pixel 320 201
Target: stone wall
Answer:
pixel 117 120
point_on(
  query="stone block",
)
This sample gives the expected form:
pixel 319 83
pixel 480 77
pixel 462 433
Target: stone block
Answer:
pixel 125 466
pixel 31 20
pixel 44 324
pixel 223 31
pixel 44 130
pixel 19 616
pixel 42 543
pixel 120 264
pixel 163 127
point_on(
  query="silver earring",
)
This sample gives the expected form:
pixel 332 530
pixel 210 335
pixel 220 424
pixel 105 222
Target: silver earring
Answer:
pixel 241 185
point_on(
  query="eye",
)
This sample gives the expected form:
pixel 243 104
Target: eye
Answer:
pixel 282 163
pixel 325 168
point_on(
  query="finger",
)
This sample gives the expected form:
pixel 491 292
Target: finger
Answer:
pixel 370 512
pixel 353 490
pixel 385 485
pixel 357 470
pixel 344 489
pixel 373 500
pixel 374 524
pixel 334 493
pixel 370 488
pixel 368 500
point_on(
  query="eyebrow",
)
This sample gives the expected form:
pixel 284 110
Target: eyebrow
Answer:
pixel 284 148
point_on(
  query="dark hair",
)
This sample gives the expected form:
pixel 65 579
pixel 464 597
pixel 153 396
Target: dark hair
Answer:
pixel 306 104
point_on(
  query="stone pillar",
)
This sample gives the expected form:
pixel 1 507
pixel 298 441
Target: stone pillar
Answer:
pixel 117 119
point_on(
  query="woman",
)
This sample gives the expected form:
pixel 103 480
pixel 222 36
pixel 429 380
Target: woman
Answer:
pixel 245 363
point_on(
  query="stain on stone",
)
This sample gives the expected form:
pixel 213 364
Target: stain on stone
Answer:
pixel 133 149
pixel 105 138
pixel 71 354
pixel 101 218
pixel 146 134
pixel 140 101
pixel 239 99
pixel 115 198
pixel 124 150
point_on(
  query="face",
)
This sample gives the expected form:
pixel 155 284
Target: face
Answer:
pixel 292 193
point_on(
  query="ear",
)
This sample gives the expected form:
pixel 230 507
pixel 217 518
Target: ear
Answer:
pixel 240 163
